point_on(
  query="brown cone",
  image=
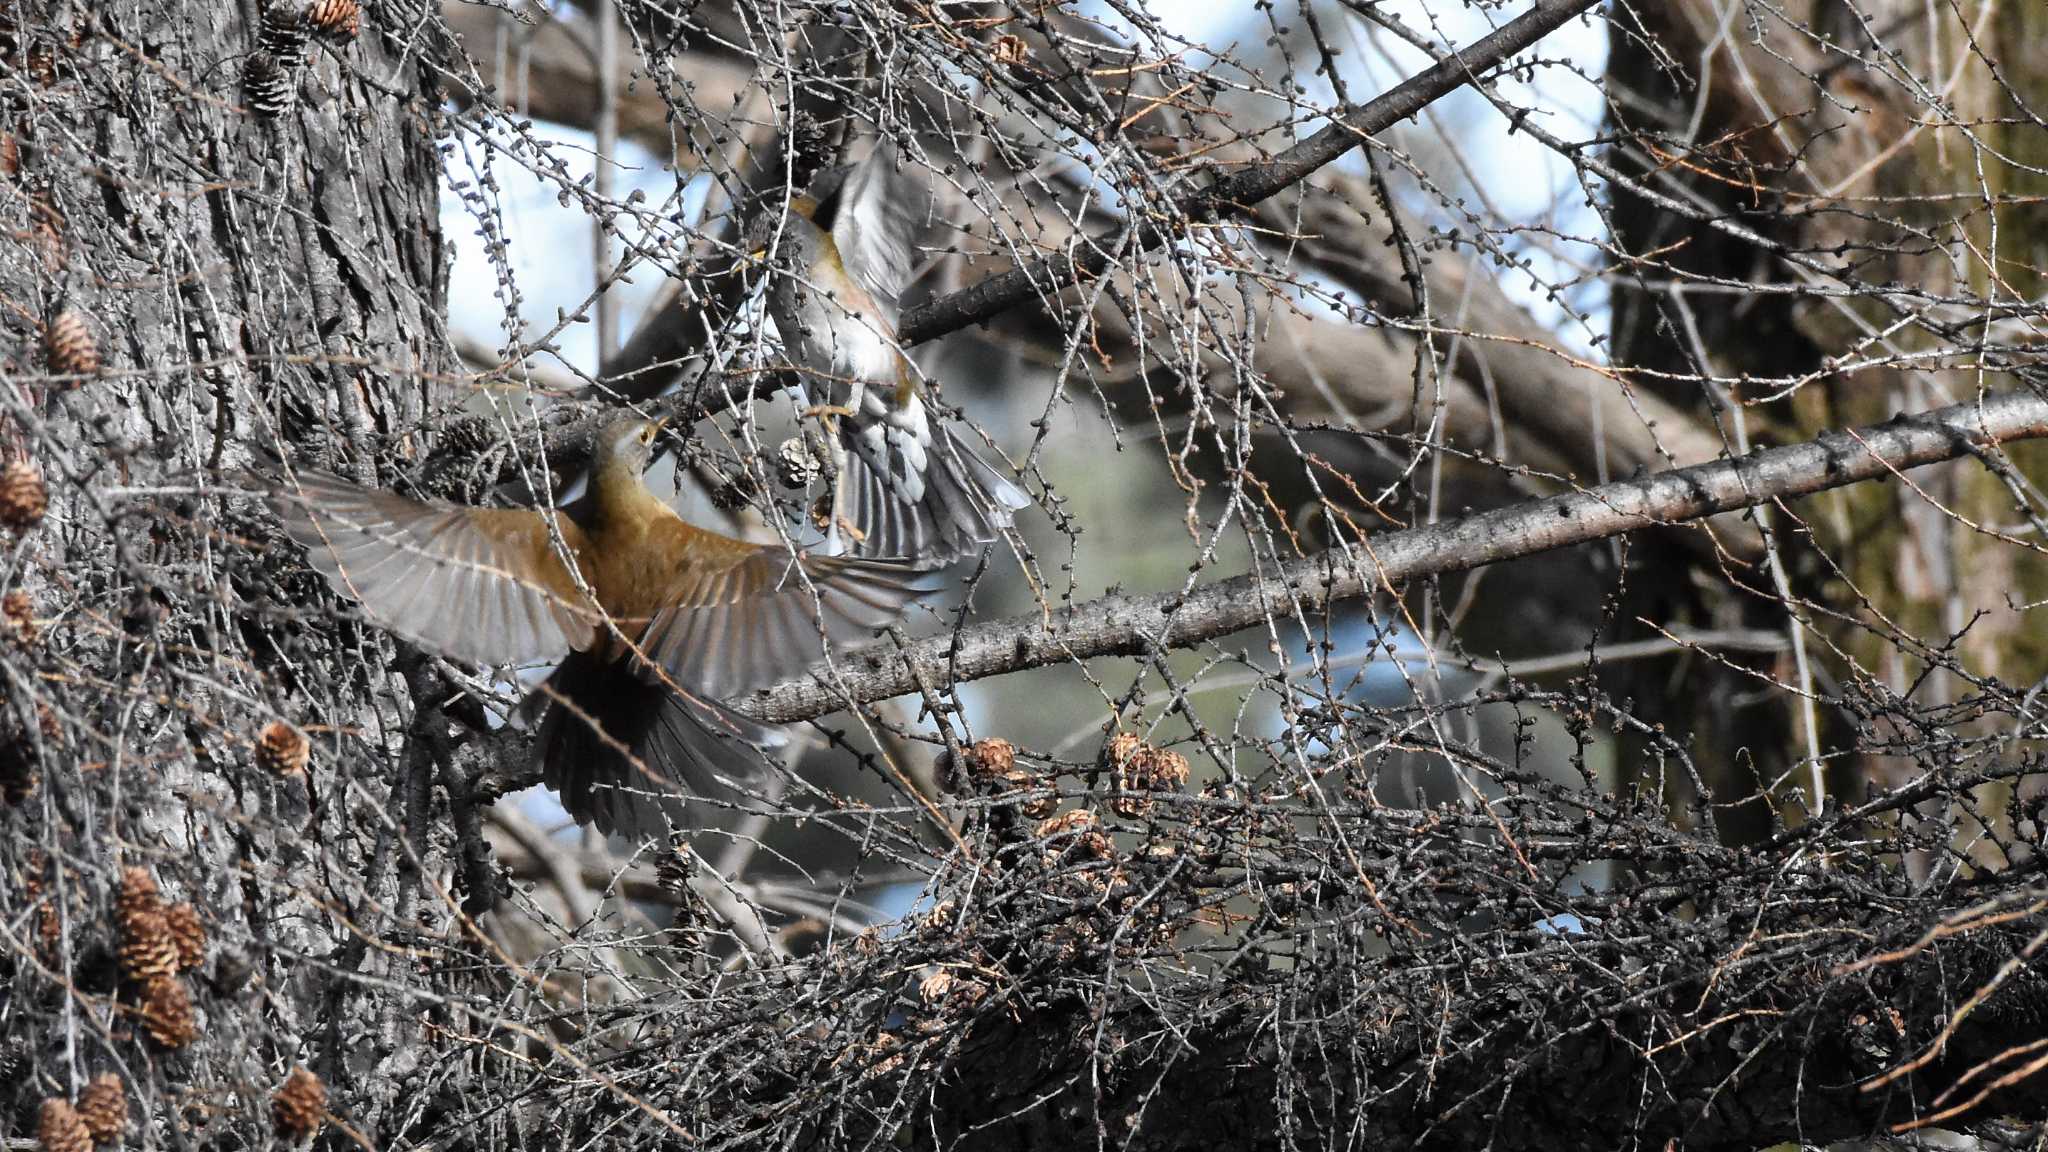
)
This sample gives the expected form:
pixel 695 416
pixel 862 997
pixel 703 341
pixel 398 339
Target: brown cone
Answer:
pixel 70 346
pixel 148 951
pixel 188 933
pixel 282 749
pixel 104 1108
pixel 299 1105
pixel 58 1129
pixel 24 498
pixel 167 1012
pixel 18 611
pixel 335 19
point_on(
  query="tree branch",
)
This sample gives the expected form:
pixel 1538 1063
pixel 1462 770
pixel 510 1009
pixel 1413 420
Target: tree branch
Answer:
pixel 1241 190
pixel 1133 625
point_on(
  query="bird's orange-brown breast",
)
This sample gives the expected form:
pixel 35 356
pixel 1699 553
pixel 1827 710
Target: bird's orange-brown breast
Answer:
pixel 642 559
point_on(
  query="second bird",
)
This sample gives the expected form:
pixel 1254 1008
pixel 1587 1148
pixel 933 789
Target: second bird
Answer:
pixel 908 486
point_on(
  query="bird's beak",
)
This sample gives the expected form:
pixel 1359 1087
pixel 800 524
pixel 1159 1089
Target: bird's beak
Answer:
pixel 662 422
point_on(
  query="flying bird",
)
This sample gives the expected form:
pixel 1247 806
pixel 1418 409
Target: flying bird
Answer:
pixel 908 485
pixel 655 621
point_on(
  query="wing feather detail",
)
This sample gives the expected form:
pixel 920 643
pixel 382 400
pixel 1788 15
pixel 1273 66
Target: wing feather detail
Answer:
pixel 483 585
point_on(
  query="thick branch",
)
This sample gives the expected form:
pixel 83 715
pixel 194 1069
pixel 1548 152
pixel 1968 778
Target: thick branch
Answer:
pixel 1131 625
pixel 1246 187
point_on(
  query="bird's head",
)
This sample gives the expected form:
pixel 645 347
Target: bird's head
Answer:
pixel 798 239
pixel 627 444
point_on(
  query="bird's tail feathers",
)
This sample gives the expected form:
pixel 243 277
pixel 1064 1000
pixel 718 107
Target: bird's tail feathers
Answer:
pixel 949 508
pixel 640 759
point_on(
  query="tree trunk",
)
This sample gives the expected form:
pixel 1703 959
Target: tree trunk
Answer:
pixel 251 254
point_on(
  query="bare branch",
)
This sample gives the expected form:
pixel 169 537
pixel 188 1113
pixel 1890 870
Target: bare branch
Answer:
pixel 1138 625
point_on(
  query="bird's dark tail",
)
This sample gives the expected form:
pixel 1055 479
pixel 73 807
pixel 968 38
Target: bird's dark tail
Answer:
pixel 931 503
pixel 636 758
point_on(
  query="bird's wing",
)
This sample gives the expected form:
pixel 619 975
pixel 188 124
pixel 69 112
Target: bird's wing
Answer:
pixel 475 584
pixel 735 616
pixel 876 224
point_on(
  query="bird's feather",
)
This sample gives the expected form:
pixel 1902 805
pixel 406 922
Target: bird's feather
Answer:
pixel 635 757
pixel 753 619
pixel 875 225
pixel 933 498
pixel 476 584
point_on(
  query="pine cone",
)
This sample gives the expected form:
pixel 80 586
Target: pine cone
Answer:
pixel 1148 769
pixel 46 229
pixel 58 1129
pixel 299 1105
pixel 335 19
pixel 1074 833
pixel 991 759
pixel 795 467
pixel 18 610
pixel 167 1012
pixel 1011 52
pixel 283 33
pixel 1159 770
pixel 1044 801
pixel 104 1108
pixel 272 89
pixel 282 749
pixel 68 345
pixel 987 762
pixel 148 951
pixel 1120 749
pixel 188 933
pixel 33 893
pixel 24 499
pixel 138 894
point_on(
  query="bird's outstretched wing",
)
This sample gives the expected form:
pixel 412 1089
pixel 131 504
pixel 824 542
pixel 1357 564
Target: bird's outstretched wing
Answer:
pixel 875 223
pixel 734 616
pixel 475 584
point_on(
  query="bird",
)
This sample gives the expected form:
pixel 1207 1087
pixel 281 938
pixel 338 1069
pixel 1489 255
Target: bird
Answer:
pixel 908 485
pixel 655 621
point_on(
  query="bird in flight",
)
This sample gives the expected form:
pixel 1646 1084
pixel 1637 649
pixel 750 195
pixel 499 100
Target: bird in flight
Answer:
pixel 908 485
pixel 654 620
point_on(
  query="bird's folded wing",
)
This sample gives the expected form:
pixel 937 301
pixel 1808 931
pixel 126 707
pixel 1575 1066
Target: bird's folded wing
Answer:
pixel 475 584
pixel 876 224
pixel 755 617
